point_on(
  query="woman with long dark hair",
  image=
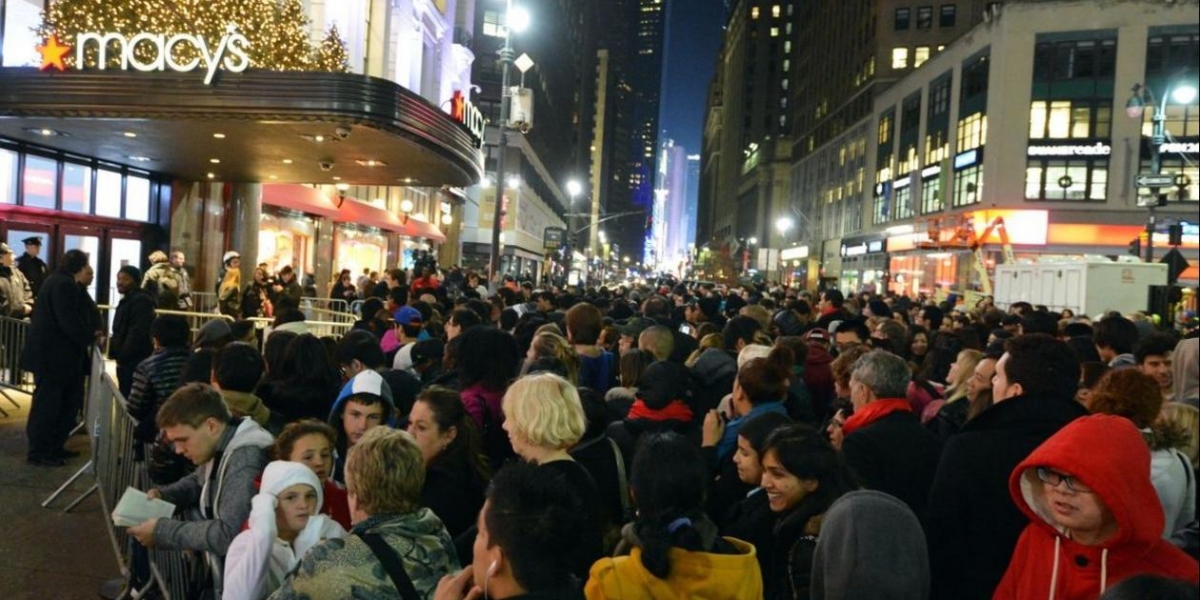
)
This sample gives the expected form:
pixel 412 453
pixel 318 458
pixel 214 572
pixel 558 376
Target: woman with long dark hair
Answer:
pixel 802 476
pixel 487 361
pixel 674 550
pixel 456 470
pixel 307 382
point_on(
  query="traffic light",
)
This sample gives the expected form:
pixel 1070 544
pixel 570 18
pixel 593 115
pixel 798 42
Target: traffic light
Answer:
pixel 1135 246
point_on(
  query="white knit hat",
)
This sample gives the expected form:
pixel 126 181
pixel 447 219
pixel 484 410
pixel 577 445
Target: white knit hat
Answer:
pixel 282 474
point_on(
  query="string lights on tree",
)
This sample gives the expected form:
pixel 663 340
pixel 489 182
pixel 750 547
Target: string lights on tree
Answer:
pixel 277 30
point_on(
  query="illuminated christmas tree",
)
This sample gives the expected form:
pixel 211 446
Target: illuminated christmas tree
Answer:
pixel 331 56
pixel 276 29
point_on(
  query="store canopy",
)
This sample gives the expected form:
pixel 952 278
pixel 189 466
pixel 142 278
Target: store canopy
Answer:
pixel 422 229
pixel 256 126
pixel 361 213
pixel 300 197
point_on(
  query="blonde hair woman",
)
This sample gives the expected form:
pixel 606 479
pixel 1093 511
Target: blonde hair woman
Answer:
pixel 1187 418
pixel 946 417
pixel 544 419
pixel 553 347
pixel 712 340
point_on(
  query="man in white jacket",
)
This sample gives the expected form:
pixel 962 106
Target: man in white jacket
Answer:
pixel 284 524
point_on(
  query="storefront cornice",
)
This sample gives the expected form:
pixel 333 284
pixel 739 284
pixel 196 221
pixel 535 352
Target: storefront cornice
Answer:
pixel 266 117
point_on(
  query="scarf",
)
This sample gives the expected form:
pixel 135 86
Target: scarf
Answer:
pixel 874 412
pixel 675 410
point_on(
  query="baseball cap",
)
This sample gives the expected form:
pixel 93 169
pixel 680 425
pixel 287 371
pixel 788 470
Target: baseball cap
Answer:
pixel 634 326
pixel 406 315
pixel 816 335
pixel 232 254
pixel 213 331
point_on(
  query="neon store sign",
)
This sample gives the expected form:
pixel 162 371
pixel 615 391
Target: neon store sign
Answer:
pixel 229 54
pixel 463 111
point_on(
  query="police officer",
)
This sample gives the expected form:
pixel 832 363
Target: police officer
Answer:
pixel 33 268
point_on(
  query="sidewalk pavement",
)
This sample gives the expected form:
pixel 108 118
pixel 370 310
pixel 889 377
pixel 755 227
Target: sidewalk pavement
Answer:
pixel 45 553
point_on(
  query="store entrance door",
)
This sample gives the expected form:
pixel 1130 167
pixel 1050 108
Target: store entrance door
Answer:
pixel 86 238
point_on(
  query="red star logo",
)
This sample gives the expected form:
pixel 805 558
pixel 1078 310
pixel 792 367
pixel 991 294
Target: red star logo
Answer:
pixel 52 54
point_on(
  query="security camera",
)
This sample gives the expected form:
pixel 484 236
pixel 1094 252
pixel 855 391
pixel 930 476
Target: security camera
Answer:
pixel 326 165
pixel 342 132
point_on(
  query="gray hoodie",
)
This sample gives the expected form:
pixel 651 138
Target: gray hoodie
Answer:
pixel 871 548
pixel 243 449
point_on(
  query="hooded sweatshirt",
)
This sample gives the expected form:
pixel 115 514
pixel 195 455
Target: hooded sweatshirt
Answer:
pixel 1185 365
pixel 693 575
pixel 1107 454
pixel 871 548
pixel 366 382
pixel 243 454
pixel 258 559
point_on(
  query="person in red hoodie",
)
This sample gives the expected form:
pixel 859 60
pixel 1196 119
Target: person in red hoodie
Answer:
pixel 1095 518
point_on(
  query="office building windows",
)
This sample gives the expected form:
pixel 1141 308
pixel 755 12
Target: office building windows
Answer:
pixel 924 17
pixel 968 186
pixel 1065 119
pixel 972 132
pixel 493 24
pixel 1072 179
pixel 920 55
pixel 931 195
pixel 948 15
pixel 903 16
pixel 899 58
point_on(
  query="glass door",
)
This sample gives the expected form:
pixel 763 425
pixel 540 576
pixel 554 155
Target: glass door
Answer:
pixel 123 249
pixel 88 240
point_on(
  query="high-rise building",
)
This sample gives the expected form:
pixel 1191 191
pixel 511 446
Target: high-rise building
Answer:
pixel 743 178
pixel 562 46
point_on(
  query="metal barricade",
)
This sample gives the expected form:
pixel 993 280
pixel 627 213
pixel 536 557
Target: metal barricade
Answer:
pixel 12 376
pixel 356 308
pixel 195 320
pixel 317 328
pixel 333 316
pixel 204 302
pixel 330 304
pixel 113 468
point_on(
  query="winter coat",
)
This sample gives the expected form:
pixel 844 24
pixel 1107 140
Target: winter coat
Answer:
pixel 258 561
pixel 154 380
pixel 454 492
pixel 15 293
pixel 164 285
pixel 220 502
pixel 61 331
pixel 970 522
pixel 1108 454
pixel 693 575
pixel 131 341
pixel 894 455
pixel 348 568
pixel 752 521
pixel 229 301
pixel 35 271
pixel 709 379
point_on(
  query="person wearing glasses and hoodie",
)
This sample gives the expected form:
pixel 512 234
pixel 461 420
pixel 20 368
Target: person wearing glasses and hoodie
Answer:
pixel 1095 519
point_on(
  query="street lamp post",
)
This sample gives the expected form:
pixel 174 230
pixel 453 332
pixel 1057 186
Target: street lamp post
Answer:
pixel 516 20
pixel 574 188
pixel 783 224
pixel 1182 94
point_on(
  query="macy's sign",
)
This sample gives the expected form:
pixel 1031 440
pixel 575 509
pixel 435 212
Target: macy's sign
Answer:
pixel 230 52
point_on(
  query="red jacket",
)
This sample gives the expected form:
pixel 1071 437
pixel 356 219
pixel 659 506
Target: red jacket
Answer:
pixel 1108 454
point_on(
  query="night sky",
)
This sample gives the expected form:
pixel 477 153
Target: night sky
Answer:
pixel 693 37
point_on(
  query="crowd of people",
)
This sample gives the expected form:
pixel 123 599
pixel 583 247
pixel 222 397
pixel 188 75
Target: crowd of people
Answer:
pixel 642 442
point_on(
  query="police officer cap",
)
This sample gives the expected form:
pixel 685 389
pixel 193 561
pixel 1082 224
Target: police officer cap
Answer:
pixel 32 240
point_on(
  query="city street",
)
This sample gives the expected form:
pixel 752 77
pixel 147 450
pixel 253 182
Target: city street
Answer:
pixel 45 553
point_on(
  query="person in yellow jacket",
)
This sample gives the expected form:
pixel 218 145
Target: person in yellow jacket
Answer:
pixel 674 551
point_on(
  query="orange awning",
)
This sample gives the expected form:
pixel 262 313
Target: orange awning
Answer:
pixel 299 197
pixel 423 229
pixel 361 213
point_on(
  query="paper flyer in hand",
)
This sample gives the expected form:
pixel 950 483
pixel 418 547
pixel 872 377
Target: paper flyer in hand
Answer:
pixel 135 507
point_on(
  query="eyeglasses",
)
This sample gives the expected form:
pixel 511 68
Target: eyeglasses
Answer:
pixel 1054 478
